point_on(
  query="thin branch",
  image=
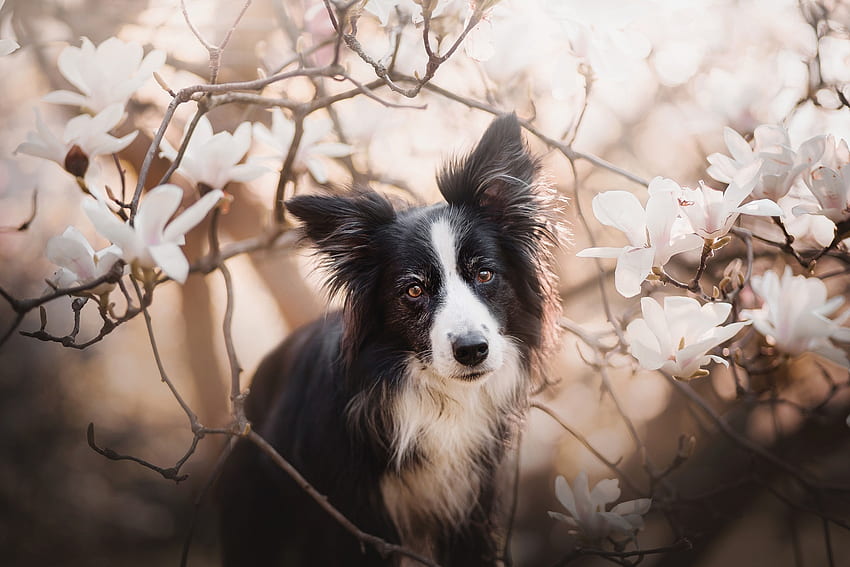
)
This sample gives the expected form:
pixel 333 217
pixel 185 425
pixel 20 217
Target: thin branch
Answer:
pixel 587 445
pixel 383 547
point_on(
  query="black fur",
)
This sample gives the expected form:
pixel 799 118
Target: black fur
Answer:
pixel 324 398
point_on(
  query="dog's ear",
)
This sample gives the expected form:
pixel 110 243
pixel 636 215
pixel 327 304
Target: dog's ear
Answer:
pixel 498 177
pixel 499 169
pixel 343 230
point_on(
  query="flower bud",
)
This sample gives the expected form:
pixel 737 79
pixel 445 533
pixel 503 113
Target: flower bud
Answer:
pixel 76 161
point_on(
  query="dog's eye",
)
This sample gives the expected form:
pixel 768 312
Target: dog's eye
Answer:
pixel 414 291
pixel 484 276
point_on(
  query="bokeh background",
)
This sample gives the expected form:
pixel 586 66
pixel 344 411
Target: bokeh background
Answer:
pixel 669 75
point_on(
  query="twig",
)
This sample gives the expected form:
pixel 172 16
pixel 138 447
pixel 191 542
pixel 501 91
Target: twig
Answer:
pixel 26 224
pixel 383 547
pixel 587 445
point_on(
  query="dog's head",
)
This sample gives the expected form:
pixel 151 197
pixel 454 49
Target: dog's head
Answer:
pixel 459 287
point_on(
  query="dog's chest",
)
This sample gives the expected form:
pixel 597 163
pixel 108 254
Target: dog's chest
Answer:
pixel 452 431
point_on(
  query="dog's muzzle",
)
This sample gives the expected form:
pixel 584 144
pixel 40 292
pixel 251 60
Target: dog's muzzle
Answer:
pixel 470 349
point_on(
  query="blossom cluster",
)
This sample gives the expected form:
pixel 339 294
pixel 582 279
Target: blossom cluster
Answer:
pixel 761 178
pixel 106 76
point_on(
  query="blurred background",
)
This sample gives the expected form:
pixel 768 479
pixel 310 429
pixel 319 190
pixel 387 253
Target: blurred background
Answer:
pixel 668 76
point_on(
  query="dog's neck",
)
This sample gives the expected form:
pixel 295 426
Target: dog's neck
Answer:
pixel 447 439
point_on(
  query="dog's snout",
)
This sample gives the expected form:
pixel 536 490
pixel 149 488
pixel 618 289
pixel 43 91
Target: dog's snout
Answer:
pixel 470 349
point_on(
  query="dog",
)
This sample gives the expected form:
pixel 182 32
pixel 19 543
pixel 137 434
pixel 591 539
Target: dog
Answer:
pixel 400 407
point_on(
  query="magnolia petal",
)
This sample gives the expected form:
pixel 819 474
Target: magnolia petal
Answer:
pixel 722 168
pixel 606 491
pixel 762 208
pixel 317 170
pixel 72 254
pixel 632 268
pixel 833 354
pixel 332 149
pixel 564 518
pixel 644 345
pixel 65 97
pixel 738 146
pixel 617 524
pixel 7 46
pixel 170 258
pixel 565 495
pixel 581 492
pixel 156 208
pixel 110 227
pixel 639 506
pixel 623 211
pixel 192 216
pixel 247 172
pixel 601 252
pixel 63 277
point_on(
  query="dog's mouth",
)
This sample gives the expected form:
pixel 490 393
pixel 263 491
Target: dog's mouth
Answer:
pixel 471 376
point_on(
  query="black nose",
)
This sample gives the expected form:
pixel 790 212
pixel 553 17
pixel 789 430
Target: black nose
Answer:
pixel 470 349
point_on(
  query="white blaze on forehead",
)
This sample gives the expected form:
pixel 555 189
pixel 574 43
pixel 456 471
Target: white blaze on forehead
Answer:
pixel 443 239
pixel 460 312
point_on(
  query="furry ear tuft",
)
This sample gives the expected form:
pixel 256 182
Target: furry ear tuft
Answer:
pixel 498 167
pixel 343 230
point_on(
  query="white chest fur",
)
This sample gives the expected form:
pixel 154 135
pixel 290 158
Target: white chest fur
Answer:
pixel 449 424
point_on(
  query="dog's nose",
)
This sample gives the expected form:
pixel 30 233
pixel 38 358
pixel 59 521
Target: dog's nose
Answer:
pixel 470 349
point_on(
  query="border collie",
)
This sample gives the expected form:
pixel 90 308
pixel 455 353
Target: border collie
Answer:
pixel 400 407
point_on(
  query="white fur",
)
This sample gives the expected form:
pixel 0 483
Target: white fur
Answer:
pixel 447 420
pixel 461 312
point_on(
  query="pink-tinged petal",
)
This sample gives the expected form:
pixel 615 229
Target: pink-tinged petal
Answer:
pixel 169 257
pixel 565 495
pixel 154 211
pixel 241 140
pixel 644 345
pixel 632 268
pixel 63 277
pixel 606 491
pixel 617 524
pixel 640 507
pixel 317 170
pixel 601 252
pixel 623 211
pixel 70 253
pixel 581 492
pixel 742 184
pixel 738 146
pixel 106 258
pixel 65 97
pixel 109 145
pixel 761 208
pixel 656 318
pixel 247 172
pixel 563 518
pixel 111 227
pixel 71 59
pixel 188 219
pixel 7 46
pixel 722 168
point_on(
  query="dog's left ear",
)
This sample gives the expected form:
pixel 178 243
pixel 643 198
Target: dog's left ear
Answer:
pixel 498 175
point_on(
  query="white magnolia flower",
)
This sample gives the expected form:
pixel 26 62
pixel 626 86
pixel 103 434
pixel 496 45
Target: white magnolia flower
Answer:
pixel 586 508
pixel 213 159
pixel 85 138
pixel 105 75
pixel 152 241
pixel 7 46
pixel 830 182
pixel 712 212
pixel 779 167
pixel 795 316
pixel 677 337
pixel 655 235
pixel 78 262
pixel 311 151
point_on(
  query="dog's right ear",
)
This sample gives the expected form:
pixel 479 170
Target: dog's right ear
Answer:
pixel 343 230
